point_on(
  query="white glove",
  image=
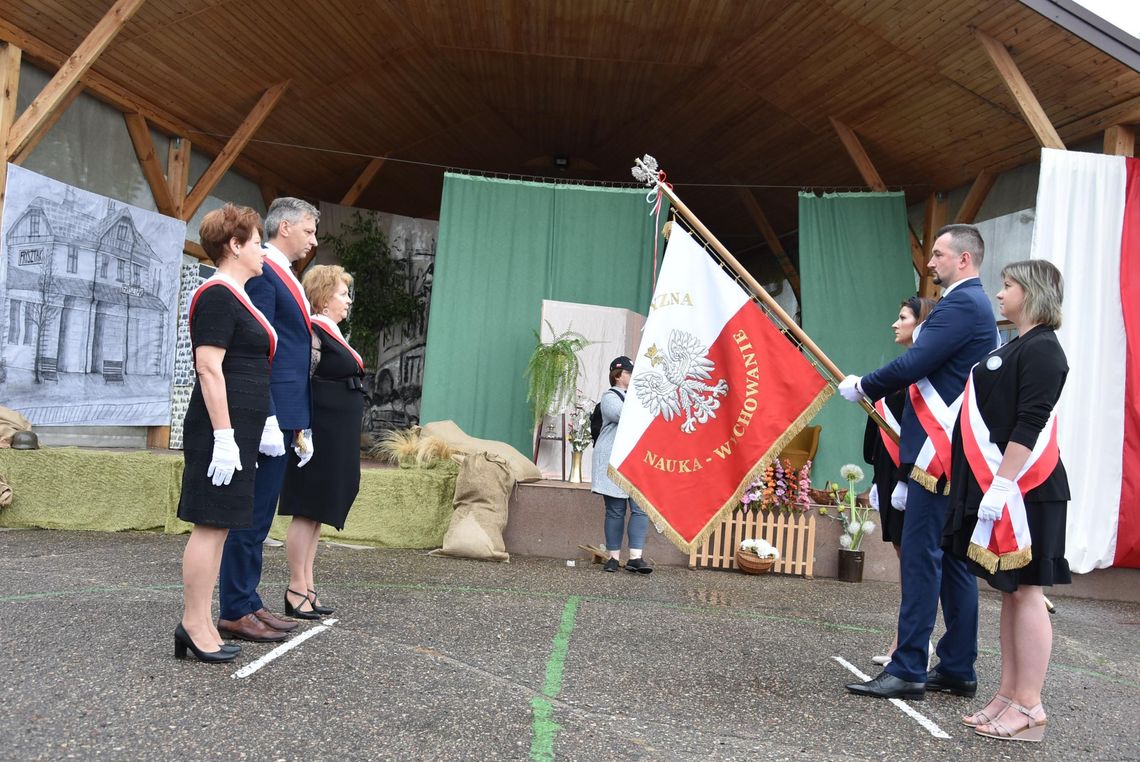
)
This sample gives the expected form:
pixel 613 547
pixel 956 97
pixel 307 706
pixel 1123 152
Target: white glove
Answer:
pixel 873 497
pixel 303 446
pixel 272 440
pixel 849 388
pixel 226 460
pixel 898 497
pixel 993 502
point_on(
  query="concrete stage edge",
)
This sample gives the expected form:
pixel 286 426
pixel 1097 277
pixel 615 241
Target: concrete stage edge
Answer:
pixel 552 518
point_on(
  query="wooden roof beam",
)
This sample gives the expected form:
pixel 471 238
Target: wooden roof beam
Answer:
pixel 362 182
pixel 9 90
pixel 234 146
pixel 178 173
pixel 141 139
pixel 769 233
pixel 976 196
pixel 50 122
pixel 1120 140
pixel 871 177
pixel 51 98
pixel 1026 101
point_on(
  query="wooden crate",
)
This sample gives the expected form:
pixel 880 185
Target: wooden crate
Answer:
pixel 792 534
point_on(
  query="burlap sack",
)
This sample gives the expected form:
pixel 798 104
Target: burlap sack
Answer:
pixel 10 423
pixel 482 490
pixel 522 469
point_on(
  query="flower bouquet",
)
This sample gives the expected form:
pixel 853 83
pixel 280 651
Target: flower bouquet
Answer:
pixel 780 488
pixel 578 424
pixel 855 514
pixel 756 556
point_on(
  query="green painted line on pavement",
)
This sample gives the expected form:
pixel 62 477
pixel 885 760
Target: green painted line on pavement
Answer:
pixel 544 728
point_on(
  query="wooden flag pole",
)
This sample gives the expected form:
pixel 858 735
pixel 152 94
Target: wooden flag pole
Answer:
pixel 789 324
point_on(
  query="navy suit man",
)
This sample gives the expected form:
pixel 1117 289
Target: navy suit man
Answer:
pixel 959 332
pixel 291 231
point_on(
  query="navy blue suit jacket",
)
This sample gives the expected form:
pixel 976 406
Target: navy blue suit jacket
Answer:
pixel 959 332
pixel 289 397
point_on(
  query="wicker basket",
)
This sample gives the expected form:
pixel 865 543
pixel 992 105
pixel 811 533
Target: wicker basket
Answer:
pixel 750 563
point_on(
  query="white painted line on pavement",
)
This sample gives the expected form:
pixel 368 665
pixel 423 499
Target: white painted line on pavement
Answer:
pixel 285 647
pixel 921 719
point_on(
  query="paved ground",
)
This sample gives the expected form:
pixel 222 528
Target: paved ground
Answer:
pixel 435 658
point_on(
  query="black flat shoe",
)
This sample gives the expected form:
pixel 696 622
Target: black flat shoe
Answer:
pixel 887 685
pixel 322 610
pixel 183 642
pixel 638 565
pixel 936 681
pixel 297 613
pixel 612 565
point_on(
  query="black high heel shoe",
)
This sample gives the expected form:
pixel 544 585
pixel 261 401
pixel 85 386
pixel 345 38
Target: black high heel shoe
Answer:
pixel 183 641
pixel 297 613
pixel 323 610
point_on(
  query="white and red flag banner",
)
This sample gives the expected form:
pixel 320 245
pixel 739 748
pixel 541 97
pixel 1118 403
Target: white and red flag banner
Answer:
pixel 1088 225
pixel 717 391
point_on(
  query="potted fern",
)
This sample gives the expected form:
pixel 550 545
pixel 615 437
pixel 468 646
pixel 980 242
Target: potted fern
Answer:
pixel 552 372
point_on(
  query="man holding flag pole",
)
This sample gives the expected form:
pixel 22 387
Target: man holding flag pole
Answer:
pixel 959 332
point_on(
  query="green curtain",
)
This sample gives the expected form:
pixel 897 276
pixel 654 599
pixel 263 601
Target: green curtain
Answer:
pixel 504 246
pixel 855 268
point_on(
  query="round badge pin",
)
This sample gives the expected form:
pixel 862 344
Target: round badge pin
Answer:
pixel 993 363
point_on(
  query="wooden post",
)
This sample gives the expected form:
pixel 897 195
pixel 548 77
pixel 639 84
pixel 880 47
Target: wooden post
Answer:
pixel 1023 96
pixel 1120 140
pixel 34 118
pixel 10 83
pixel 143 143
pixel 934 217
pixel 766 230
pixel 178 173
pixel 224 160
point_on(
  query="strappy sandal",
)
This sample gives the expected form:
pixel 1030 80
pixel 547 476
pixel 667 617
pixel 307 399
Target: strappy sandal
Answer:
pixel 981 718
pixel 1034 731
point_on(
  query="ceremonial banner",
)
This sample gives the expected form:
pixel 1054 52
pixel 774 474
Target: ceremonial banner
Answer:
pixel 1088 225
pixel 717 391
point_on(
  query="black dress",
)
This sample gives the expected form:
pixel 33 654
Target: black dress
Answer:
pixel 324 489
pixel 887 474
pixel 1015 399
pixel 219 319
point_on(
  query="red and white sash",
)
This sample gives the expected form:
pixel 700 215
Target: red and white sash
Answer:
pixel 333 330
pixel 937 419
pixel 1004 543
pixel 891 445
pixel 221 279
pixel 294 286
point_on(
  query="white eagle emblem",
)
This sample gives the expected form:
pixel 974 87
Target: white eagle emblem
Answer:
pixel 680 386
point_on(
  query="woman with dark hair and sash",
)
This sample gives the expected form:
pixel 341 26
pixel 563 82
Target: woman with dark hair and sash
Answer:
pixel 888 493
pixel 1009 492
pixel 233 345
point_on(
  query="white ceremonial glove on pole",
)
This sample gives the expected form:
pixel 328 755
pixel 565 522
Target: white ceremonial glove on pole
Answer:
pixel 849 388
pixel 303 446
pixel 995 499
pixel 226 460
pixel 272 439
pixel 898 497
pixel 873 497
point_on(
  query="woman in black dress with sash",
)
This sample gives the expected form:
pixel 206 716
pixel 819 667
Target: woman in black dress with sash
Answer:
pixel 323 491
pixel 1009 492
pixel 233 346
pixel 882 454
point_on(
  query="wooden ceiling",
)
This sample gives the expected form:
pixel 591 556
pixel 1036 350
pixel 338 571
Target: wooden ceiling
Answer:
pixel 720 91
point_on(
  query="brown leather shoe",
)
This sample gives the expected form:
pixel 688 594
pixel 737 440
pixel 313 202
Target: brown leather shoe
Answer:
pixel 249 627
pixel 278 623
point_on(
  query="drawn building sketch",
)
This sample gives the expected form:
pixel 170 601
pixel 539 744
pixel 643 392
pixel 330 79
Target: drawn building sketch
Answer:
pixel 88 288
pixel 394 387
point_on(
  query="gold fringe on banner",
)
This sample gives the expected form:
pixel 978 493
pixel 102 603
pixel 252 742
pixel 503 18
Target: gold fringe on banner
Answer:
pixel 734 501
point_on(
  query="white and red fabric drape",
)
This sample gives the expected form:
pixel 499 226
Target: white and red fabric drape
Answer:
pixel 1088 225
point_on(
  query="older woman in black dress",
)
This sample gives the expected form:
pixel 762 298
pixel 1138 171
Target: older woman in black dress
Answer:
pixel 233 346
pixel 323 491
pixel 1009 492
